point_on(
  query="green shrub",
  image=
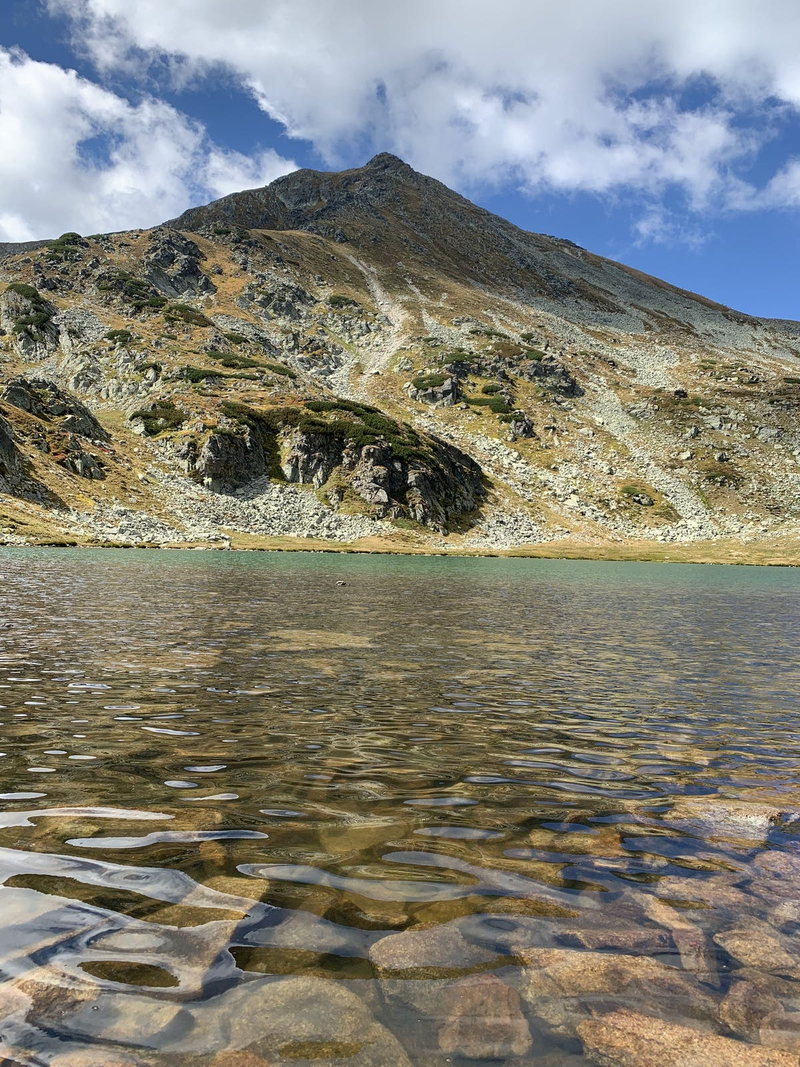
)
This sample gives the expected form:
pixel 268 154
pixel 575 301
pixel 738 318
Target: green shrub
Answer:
pixel 337 301
pixel 66 247
pixel 186 313
pixel 122 337
pixel 490 389
pixel 236 338
pixel 429 381
pixel 195 375
pixel 160 416
pixel 486 331
pixel 278 368
pixel 228 359
pixel 495 404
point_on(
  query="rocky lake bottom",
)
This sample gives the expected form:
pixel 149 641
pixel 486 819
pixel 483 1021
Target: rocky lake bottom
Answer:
pixel 310 809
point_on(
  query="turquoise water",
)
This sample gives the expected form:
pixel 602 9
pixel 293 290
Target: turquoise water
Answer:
pixel 448 811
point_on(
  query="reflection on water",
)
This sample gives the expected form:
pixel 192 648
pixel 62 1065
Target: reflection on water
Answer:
pixel 452 811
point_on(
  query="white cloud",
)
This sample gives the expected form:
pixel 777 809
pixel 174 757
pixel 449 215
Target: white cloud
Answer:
pixel 76 156
pixel 551 97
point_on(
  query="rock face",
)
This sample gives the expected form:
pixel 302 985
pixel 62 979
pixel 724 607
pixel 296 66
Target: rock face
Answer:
pixel 9 457
pixel 431 491
pixel 227 461
pixel 384 466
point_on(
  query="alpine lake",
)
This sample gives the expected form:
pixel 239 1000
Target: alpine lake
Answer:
pixel 263 808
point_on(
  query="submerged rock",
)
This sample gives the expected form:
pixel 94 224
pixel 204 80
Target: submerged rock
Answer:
pixel 746 1005
pixel 293 1019
pixel 484 1020
pixel 729 818
pixel 95 1056
pixel 628 1039
pixel 564 986
pixel 757 944
pixel 427 952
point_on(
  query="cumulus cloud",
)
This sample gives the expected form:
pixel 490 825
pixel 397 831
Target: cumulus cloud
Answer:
pixel 586 96
pixel 74 155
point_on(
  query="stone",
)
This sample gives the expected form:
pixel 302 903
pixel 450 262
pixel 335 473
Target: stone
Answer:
pixel 745 1006
pixel 440 393
pixel 754 943
pixel 520 426
pixel 127 1019
pixel 628 1039
pixel 54 993
pixel 781 1029
pixel 563 986
pixel 720 891
pixel 779 865
pixel 427 952
pixel 289 1019
pixel 240 1059
pixel 734 818
pixel 484 1020
pixel 94 1056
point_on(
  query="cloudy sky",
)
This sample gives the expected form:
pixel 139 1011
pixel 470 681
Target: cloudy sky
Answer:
pixel 664 135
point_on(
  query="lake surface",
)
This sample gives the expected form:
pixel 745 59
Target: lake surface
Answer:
pixel 450 811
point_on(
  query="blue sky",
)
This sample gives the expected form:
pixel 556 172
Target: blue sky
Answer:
pixel 666 137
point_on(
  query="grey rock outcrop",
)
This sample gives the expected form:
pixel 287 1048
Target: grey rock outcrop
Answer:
pixel 551 375
pixel 228 460
pixel 44 400
pixel 442 393
pixel 172 262
pixel 520 426
pixel 28 317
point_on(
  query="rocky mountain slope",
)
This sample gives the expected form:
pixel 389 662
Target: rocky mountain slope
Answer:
pixel 366 358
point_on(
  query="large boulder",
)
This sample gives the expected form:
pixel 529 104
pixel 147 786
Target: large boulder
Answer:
pixel 436 389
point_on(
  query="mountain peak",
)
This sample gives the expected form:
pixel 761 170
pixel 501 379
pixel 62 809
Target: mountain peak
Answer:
pixel 387 161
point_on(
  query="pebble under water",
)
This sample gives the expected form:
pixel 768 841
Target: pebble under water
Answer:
pixel 450 811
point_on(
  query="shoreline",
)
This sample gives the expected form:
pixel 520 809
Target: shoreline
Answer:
pixel 718 553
